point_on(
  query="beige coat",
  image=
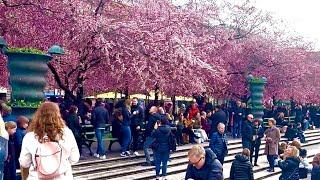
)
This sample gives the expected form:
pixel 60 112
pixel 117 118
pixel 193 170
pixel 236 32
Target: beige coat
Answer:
pixel 272 141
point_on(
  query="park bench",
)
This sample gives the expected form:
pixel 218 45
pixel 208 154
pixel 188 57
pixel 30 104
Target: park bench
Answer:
pixel 88 136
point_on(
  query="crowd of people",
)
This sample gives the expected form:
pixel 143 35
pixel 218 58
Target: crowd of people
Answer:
pixel 156 128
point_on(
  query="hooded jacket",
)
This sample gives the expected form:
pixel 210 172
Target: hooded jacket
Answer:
pixel 241 168
pixel 290 168
pixel 161 136
pixel 211 170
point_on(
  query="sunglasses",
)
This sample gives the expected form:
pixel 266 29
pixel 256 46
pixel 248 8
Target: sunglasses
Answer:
pixel 195 162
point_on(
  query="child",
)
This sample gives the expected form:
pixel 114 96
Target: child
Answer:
pixel 22 123
pixel 304 166
pixel 10 164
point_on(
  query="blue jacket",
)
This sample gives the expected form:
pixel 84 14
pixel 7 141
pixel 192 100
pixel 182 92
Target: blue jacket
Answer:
pixel 212 169
pixel 218 144
pixel 290 168
pixel 315 173
pixel 126 116
pixel 100 116
pixel 161 136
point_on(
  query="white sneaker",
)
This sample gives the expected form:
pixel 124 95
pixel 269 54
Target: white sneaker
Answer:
pixel 128 153
pixel 123 154
pixel 136 153
pixel 96 155
pixel 103 157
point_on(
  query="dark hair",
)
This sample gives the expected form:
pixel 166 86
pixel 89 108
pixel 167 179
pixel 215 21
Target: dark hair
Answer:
pixel 98 102
pixel 163 121
pixel 73 109
pixel 303 153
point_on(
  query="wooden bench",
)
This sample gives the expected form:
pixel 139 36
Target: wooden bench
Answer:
pixel 89 137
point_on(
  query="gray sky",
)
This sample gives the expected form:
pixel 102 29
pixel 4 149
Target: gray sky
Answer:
pixel 301 16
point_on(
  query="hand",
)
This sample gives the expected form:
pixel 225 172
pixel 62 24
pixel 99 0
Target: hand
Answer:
pixel 138 127
pixel 134 112
pixel 156 125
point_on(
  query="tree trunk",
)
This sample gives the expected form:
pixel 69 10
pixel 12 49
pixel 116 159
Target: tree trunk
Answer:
pixel 156 94
pixel 173 99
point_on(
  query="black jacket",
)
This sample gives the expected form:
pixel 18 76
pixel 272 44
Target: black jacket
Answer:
pixel 74 125
pixel 153 118
pixel 161 136
pixel 315 173
pixel 247 130
pixel 241 168
pixel 100 117
pixel 290 168
pixel 137 120
pixel 212 169
pixel 218 117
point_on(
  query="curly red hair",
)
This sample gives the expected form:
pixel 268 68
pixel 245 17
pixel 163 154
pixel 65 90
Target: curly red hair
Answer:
pixel 47 121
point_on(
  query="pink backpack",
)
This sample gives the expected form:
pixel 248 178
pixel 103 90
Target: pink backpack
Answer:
pixel 48 160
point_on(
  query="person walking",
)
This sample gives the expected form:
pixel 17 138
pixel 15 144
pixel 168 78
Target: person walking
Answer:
pixel 258 133
pixel 100 117
pixel 218 143
pixel 48 128
pixel 290 164
pixel 161 135
pixel 272 143
pixel 203 164
pixel 241 167
pixel 136 124
pixel 247 132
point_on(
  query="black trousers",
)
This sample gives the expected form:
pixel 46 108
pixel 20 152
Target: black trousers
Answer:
pixel 255 150
pixel 135 137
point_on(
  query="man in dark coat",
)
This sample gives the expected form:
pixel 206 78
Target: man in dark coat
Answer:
pixel 203 165
pixel 241 167
pixel 152 120
pixel 100 117
pixel 218 143
pixel 218 117
pixel 238 114
pixel 247 132
pixel 136 124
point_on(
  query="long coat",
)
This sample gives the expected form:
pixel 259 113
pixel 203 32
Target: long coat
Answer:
pixel 272 141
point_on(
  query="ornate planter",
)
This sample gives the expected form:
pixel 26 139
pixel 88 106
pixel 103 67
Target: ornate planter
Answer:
pixel 256 87
pixel 27 79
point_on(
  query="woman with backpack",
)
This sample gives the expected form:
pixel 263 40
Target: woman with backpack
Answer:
pixel 161 134
pixel 49 141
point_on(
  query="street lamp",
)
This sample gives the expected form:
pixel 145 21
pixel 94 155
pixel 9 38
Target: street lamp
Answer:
pixel 56 50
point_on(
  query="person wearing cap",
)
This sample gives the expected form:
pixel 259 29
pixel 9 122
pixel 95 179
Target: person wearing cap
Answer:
pixel 258 133
pixel 247 132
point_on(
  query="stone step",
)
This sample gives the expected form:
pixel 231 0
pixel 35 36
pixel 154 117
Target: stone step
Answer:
pixel 178 159
pixel 232 144
pixel 182 168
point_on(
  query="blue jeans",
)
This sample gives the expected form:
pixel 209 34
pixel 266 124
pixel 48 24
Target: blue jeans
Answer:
pixel 146 147
pixel 271 160
pixel 237 129
pixel 161 157
pixel 101 150
pixel 126 138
